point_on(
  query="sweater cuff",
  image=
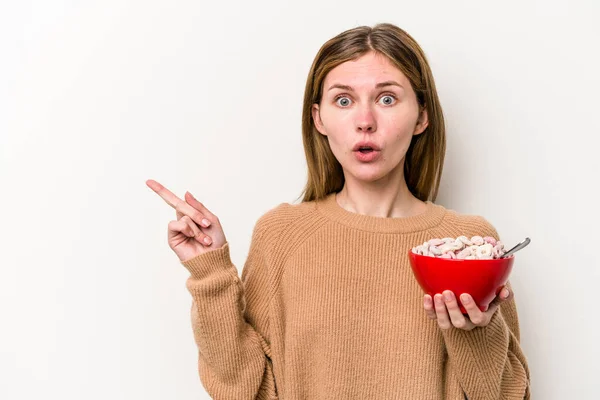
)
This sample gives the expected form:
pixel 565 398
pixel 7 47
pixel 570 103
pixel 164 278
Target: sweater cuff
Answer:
pixel 205 264
pixel 482 343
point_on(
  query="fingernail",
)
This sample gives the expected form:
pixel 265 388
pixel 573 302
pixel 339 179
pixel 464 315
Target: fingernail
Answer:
pixel 207 240
pixel 465 299
pixel 206 222
pixel 505 293
pixel 448 296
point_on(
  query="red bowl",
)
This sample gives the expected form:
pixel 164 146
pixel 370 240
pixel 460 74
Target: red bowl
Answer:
pixel 482 279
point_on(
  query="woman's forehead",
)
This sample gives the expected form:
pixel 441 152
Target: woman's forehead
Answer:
pixel 365 73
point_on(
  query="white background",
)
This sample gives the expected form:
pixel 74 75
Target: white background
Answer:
pixel 97 97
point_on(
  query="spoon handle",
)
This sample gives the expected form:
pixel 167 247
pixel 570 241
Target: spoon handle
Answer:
pixel 518 247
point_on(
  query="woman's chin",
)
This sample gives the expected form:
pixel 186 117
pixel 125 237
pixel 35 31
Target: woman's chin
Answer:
pixel 371 172
pixel 368 173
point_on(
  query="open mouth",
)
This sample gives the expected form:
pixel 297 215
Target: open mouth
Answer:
pixel 365 150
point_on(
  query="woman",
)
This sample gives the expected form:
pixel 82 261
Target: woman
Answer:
pixel 327 306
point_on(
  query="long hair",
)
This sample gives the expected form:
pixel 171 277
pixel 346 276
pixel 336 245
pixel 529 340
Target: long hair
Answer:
pixel 425 156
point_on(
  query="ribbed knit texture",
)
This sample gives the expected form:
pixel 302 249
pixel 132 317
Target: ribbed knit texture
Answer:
pixel 327 307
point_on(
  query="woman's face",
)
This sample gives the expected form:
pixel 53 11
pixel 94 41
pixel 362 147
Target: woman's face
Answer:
pixel 387 115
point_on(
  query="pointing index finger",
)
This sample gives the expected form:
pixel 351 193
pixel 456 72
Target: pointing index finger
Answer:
pixel 164 193
pixel 179 205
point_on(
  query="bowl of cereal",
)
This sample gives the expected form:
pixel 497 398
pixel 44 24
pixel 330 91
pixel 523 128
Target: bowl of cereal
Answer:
pixel 475 266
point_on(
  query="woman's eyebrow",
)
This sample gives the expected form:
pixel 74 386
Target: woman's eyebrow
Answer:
pixel 379 85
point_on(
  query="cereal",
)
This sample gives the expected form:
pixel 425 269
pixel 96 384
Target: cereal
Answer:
pixel 462 248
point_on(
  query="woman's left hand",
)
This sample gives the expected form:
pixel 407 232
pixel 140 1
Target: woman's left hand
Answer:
pixel 445 309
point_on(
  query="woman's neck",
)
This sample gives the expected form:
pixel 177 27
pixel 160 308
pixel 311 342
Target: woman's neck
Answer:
pixel 394 202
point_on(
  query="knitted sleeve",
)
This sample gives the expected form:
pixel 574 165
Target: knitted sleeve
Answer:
pixel 230 321
pixel 488 361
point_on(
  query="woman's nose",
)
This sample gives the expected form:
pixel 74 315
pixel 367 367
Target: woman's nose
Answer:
pixel 365 120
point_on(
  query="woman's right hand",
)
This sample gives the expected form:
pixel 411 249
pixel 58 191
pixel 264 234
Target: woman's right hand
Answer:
pixel 187 235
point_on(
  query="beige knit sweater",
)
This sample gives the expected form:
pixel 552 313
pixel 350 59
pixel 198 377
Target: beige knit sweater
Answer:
pixel 327 307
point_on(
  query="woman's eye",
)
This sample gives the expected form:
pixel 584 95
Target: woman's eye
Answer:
pixel 389 99
pixel 345 103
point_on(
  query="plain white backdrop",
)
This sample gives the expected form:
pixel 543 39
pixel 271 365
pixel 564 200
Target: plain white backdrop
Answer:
pixel 96 97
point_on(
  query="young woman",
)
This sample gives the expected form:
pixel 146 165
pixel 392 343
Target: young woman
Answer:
pixel 327 306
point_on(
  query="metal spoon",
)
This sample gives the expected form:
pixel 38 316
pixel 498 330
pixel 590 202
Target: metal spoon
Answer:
pixel 518 247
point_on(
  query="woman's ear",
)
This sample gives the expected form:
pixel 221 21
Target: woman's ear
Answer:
pixel 422 122
pixel 317 119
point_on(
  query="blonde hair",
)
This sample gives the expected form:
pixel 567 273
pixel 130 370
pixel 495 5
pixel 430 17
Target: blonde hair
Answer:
pixel 425 156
